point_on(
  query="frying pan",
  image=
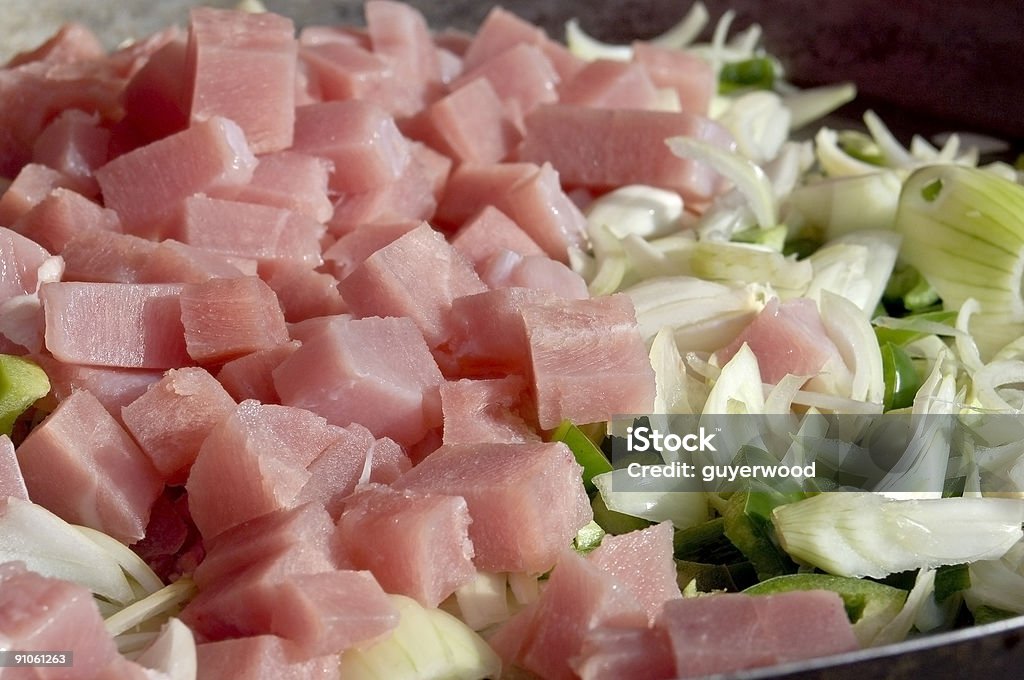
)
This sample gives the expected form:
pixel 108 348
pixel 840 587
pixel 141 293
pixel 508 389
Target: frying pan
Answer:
pixel 926 66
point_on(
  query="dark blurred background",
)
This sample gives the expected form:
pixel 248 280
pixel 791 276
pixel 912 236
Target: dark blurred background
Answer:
pixel 942 65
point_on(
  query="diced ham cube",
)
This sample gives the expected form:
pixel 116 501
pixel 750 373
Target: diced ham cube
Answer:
pixel 375 372
pixel 343 70
pixel 12 483
pixel 156 103
pixel 226 318
pixel 416 276
pixel 507 269
pixel 601 149
pixel 336 471
pixel 351 249
pixel 288 180
pixel 75 145
pixel 579 597
pixel 471 187
pixel 589 361
pixel 115 324
pixel 250 376
pixel 175 262
pixel 39 613
pixel 327 612
pixel 285 542
pixel 690 76
pixel 788 338
pixel 71 43
pixel 471 124
pixel 360 139
pixel 304 293
pixel 264 449
pixel 611 653
pixel 33 183
pixel 485 411
pixel 415 544
pixel 261 657
pixel 171 420
pixel 399 33
pixel 643 563
pixel 101 256
pixel 248 230
pixel 114 387
pixel 241 66
pixel 526 500
pixel 609 84
pixel 81 465
pixel 61 216
pixel 490 232
pixel 500 31
pixel 209 154
pixel 20 260
pixel 737 631
pixel 522 76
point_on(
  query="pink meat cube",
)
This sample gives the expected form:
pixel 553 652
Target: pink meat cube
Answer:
pixel 264 449
pixel 507 269
pixel 342 70
pixel 115 324
pixel 156 103
pixel 12 483
pixel 601 149
pixel 377 372
pixel 33 183
pixel 399 33
pixel 171 420
pixel 82 466
pixel 415 544
pixel 175 262
pixel 359 138
pixel 416 276
pixel 486 411
pixel 500 31
pixel 62 215
pixel 71 43
pixel 521 75
pixel 75 145
pixel 114 387
pixel 526 500
pixel 609 84
pixel 614 652
pixel 101 256
pixel 39 613
pixel 643 563
pixel 690 76
pixel 288 180
pixel 471 124
pixel 351 249
pixel 250 376
pixel 737 631
pixel 241 65
pixel 579 598
pixel 226 318
pixel 589 361
pixel 20 260
pixel 471 187
pixel 261 657
pixel 490 232
pixel 304 293
pixel 252 231
pixel 209 154
pixel 539 205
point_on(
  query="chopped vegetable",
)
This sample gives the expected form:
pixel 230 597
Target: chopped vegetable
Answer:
pixel 21 384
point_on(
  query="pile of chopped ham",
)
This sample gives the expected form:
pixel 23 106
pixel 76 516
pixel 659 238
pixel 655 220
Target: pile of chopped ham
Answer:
pixel 305 308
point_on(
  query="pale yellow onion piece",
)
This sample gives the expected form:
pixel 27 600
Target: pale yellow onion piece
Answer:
pixel 686 31
pixel 865 534
pixel 996 584
pixel 750 263
pixel 525 587
pixel 966 347
pixel 48 545
pixel 840 205
pixel 151 607
pixel 483 601
pixel 738 389
pixel 610 259
pixel 172 653
pixel 880 248
pixel 132 564
pixel 896 155
pixel 810 104
pixel 899 627
pixel 685 505
pixel 678 37
pixel 759 123
pixel 748 178
pixel 853 336
pixel 670 378
pixel 987 380
pixel 637 209
pixel 834 161
pixel 428 644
